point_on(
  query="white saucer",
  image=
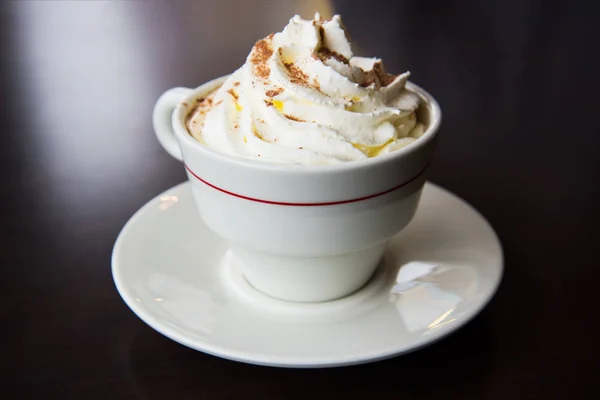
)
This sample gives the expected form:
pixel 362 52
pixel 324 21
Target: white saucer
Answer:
pixel 178 277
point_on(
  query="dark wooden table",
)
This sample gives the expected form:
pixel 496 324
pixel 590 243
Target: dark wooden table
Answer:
pixel 518 82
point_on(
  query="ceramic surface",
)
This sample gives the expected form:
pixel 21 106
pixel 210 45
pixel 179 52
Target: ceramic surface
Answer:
pixel 306 233
pixel 181 279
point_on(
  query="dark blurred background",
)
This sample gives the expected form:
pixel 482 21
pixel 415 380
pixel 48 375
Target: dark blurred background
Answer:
pixel 518 84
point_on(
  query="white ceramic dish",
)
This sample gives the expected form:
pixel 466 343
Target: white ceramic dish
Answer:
pixel 179 278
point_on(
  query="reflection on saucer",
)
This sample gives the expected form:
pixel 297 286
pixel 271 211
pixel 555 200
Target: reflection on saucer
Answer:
pixel 182 303
pixel 166 201
pixel 427 295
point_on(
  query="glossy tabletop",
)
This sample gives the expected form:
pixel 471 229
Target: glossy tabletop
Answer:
pixel 517 82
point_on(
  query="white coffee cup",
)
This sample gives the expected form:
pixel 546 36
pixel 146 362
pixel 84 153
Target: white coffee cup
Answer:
pixel 303 233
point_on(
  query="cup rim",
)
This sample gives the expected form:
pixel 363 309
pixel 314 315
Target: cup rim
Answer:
pixel 183 108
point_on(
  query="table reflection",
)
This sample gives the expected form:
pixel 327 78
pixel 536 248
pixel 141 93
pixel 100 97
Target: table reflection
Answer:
pixel 91 72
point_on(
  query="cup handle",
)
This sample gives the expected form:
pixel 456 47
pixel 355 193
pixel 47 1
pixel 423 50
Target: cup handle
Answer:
pixel 162 119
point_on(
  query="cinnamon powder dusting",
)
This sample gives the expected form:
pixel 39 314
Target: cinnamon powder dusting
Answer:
pixel 258 134
pixel 296 75
pixel 378 75
pixel 202 106
pixel 325 53
pixel 273 93
pixel 260 55
pixel 234 94
pixel 317 85
pixel 293 118
pixel 386 79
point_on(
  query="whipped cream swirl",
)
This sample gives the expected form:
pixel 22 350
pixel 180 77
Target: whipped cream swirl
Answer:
pixel 303 97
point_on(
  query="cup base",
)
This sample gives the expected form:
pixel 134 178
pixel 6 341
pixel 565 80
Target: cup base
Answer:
pixel 367 297
pixel 308 279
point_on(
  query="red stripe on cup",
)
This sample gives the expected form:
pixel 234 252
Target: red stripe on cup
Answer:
pixel 330 203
